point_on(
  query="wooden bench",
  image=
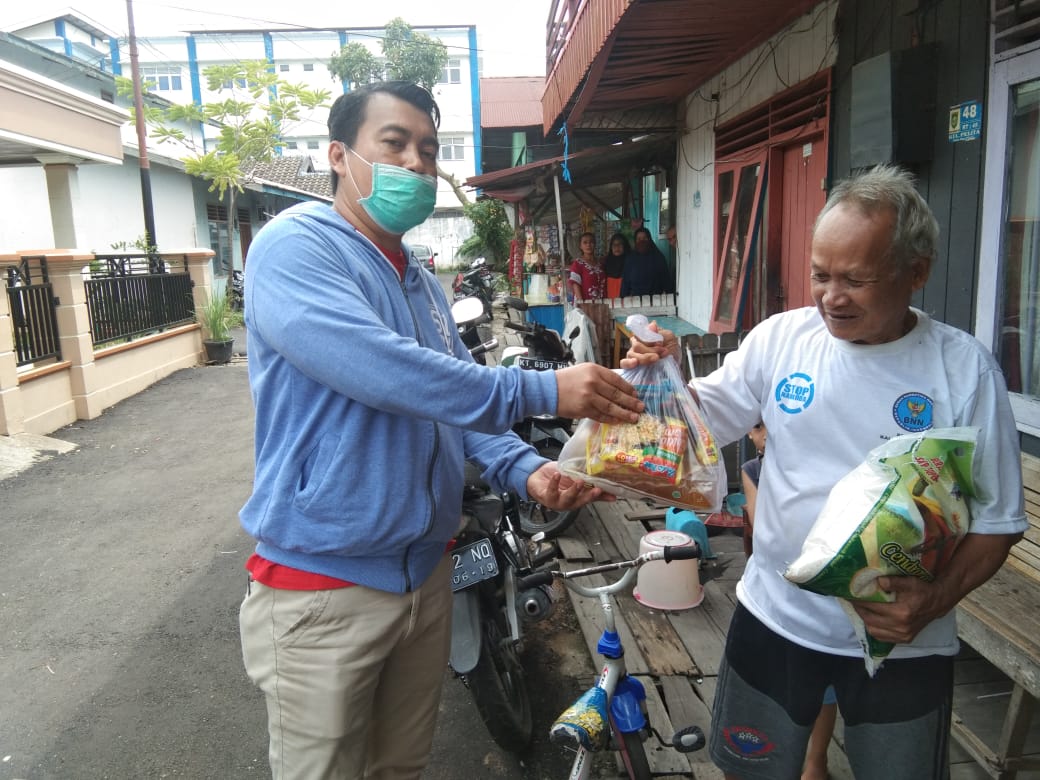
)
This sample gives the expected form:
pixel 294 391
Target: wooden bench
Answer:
pixel 1001 621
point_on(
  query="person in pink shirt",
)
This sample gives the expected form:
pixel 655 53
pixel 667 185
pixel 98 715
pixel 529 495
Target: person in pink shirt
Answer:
pixel 587 280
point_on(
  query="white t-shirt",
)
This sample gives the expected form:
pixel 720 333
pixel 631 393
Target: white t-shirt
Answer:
pixel 826 403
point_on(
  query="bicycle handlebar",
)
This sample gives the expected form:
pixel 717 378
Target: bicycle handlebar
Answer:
pixel 666 554
pixel 535 580
pixel 681 553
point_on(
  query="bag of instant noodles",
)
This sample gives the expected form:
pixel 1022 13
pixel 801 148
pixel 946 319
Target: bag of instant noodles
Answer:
pixel 668 454
pixel 900 513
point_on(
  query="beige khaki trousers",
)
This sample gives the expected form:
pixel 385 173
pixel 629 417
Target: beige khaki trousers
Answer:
pixel 352 676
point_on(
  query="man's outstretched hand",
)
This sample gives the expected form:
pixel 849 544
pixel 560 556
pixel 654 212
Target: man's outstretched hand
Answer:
pixel 550 488
pixel 590 390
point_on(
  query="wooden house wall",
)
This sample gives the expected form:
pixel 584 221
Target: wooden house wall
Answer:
pixel 951 180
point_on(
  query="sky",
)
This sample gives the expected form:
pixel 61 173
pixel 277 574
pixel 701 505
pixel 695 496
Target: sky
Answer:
pixel 511 36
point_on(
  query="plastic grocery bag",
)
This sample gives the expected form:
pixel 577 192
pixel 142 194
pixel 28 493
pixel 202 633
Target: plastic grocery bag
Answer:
pixel 901 512
pixel 668 454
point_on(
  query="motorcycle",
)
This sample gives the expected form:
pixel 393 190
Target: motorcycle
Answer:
pixel 477 281
pixel 236 290
pixel 543 350
pixel 490 557
pixel 469 315
pixel 491 606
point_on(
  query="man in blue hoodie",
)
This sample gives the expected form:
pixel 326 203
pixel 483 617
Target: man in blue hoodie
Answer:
pixel 367 405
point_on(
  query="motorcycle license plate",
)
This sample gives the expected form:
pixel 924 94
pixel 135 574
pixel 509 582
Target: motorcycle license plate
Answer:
pixel 472 564
pixel 538 364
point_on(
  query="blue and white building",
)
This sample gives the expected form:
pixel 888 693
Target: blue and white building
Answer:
pixel 173 65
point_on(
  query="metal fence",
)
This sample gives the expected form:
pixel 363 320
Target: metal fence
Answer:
pixel 33 318
pixel 133 295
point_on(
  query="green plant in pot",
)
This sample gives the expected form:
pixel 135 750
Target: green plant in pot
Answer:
pixel 216 317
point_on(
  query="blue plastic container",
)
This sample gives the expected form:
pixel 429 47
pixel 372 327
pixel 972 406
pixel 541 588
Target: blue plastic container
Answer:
pixel 687 522
pixel 551 316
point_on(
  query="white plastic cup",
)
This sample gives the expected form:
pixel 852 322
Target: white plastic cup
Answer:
pixel 668 586
pixel 538 291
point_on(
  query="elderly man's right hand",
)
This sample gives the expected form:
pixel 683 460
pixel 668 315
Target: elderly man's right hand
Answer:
pixel 590 390
pixel 641 353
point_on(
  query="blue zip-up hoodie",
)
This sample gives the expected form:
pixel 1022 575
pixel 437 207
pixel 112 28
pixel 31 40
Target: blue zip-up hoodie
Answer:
pixel 367 404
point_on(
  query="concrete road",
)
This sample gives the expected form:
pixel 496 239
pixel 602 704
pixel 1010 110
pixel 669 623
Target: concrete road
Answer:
pixel 121 572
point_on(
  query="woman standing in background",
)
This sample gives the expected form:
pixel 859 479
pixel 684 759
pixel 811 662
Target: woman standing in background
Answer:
pixel 614 263
pixel 587 281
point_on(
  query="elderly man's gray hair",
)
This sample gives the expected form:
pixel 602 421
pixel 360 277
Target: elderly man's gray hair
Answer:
pixel 916 231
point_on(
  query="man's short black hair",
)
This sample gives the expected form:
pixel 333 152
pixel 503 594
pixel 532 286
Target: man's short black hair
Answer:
pixel 348 111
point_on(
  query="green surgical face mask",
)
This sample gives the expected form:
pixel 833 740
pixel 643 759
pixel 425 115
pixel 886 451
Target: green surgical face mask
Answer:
pixel 400 198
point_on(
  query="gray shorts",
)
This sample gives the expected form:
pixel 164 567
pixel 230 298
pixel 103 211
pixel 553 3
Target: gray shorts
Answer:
pixel 897 724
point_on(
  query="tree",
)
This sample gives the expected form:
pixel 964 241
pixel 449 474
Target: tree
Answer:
pixel 252 111
pixel 492 233
pixel 410 56
pixel 355 65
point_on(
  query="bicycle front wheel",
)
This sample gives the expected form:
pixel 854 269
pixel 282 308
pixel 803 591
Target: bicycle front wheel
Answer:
pixel 633 755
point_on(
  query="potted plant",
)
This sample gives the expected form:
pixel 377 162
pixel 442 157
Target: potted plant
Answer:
pixel 215 317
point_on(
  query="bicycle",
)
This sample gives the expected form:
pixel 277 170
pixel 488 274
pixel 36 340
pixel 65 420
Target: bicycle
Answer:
pixel 613 712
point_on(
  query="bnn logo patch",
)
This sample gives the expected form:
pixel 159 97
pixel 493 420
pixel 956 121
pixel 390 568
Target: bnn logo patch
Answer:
pixel 747 742
pixel 913 412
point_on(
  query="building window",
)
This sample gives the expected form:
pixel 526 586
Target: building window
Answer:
pixel 283 67
pixel 452 72
pixel 312 144
pixel 219 241
pixel 308 66
pixel 1020 320
pixel 452 148
pixel 290 144
pixel 161 78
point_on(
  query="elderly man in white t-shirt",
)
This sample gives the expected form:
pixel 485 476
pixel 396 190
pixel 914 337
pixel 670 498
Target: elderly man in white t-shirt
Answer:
pixel 831 383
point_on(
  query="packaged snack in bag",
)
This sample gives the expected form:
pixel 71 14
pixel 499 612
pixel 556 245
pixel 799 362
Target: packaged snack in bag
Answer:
pixel 668 454
pixel 900 513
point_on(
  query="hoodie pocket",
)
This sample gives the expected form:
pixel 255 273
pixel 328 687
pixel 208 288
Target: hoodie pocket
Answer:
pixel 320 488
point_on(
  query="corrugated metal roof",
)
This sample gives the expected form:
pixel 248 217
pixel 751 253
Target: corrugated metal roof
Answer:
pixel 591 166
pixel 620 53
pixel 513 101
pixel 598 176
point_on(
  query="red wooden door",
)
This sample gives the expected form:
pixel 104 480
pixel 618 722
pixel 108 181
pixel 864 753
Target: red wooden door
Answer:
pixel 804 171
pixel 739 187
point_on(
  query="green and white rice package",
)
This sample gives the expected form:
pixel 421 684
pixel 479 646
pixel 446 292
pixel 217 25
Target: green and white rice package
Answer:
pixel 900 513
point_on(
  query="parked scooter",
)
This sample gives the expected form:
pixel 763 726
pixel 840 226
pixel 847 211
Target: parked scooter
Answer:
pixel 543 350
pixel 236 290
pixel 490 608
pixel 477 281
pixel 469 315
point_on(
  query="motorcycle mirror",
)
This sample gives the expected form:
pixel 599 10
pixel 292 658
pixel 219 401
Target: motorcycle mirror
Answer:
pixel 467 310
